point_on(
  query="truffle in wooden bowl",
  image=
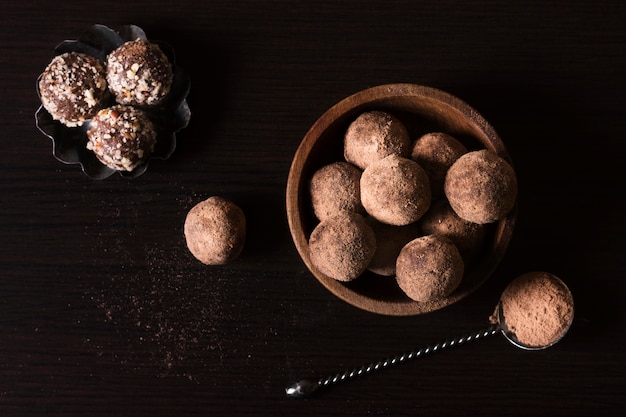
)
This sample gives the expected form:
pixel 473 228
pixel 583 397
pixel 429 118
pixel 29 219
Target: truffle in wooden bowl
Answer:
pixel 376 131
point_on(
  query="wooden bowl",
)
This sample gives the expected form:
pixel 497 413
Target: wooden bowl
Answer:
pixel 422 109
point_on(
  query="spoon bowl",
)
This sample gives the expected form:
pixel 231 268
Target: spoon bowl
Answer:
pixel 535 311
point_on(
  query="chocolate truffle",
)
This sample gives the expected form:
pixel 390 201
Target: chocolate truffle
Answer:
pixel 436 152
pixel 442 220
pixel 139 73
pixel 122 137
pixel 336 187
pixel 215 231
pixel 73 88
pixel 538 309
pixel 481 187
pixel 342 246
pixel 428 268
pixel 374 135
pixel 395 190
pixel 389 242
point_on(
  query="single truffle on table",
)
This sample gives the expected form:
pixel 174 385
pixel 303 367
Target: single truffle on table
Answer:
pixel 429 268
pixel 441 220
pixel 389 242
pixel 374 135
pixel 215 231
pixel 395 190
pixel 122 137
pixel 537 308
pixel 73 88
pixel 436 152
pixel 481 187
pixel 336 187
pixel 139 73
pixel 342 246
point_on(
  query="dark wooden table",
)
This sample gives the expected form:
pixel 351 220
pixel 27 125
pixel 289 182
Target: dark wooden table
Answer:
pixel 104 312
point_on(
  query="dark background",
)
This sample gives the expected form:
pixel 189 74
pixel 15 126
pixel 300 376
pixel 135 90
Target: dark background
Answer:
pixel 104 312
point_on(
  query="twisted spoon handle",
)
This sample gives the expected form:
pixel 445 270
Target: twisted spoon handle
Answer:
pixel 306 387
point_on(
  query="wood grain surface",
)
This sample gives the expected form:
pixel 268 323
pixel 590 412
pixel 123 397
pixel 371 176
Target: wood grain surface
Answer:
pixel 104 312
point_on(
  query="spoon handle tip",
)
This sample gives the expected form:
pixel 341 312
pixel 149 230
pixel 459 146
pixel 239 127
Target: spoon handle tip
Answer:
pixel 302 389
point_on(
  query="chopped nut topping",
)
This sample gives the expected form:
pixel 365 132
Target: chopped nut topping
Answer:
pixel 139 73
pixel 122 137
pixel 73 88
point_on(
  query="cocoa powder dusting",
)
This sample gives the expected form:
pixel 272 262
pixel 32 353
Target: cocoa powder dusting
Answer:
pixel 342 246
pixel 429 268
pixel 481 187
pixel 336 187
pixel 373 136
pixel 395 190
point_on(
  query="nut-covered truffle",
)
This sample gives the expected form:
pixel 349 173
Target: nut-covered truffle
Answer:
pixel 373 136
pixel 342 246
pixel 336 187
pixel 436 152
pixel 122 137
pixel 442 220
pixel 481 187
pixel 215 231
pixel 395 190
pixel 139 73
pixel 73 88
pixel 538 309
pixel 389 242
pixel 428 268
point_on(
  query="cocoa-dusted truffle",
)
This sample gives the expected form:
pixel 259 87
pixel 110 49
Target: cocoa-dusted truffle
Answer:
pixel 395 190
pixel 374 135
pixel 428 268
pixel 122 137
pixel 481 187
pixel 436 152
pixel 139 73
pixel 336 187
pixel 215 231
pixel 442 220
pixel 538 309
pixel 73 88
pixel 342 246
pixel 389 242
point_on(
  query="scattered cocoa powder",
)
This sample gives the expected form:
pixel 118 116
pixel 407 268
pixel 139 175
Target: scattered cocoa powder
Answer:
pixel 160 315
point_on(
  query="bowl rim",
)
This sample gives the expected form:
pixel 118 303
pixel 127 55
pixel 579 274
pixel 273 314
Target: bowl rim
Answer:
pixel 295 181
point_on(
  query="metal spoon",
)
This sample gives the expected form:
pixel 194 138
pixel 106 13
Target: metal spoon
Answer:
pixel 306 387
